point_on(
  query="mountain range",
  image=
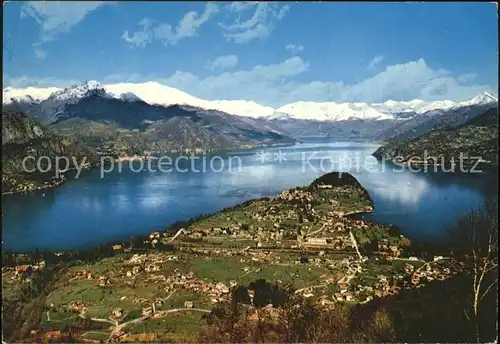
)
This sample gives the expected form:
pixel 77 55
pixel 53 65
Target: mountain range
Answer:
pixel 154 93
pixel 133 118
pixel 123 124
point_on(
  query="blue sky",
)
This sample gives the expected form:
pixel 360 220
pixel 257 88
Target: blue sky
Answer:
pixel 272 53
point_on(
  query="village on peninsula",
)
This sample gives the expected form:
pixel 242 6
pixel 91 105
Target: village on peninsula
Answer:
pixel 139 290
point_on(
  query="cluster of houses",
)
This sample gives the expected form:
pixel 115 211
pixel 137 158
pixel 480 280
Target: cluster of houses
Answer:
pixel 25 271
pixel 297 195
pixel 188 281
pixel 440 272
pixel 384 285
pixel 83 274
pixel 390 251
pixel 339 242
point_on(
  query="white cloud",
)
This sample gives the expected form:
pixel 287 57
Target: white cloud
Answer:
pixel 280 83
pixel 223 62
pixel 40 53
pixel 467 77
pixel 26 81
pixel 164 32
pixel 238 6
pixel 294 49
pixel 375 61
pixel 261 83
pixel 259 26
pixel 142 37
pixel 55 17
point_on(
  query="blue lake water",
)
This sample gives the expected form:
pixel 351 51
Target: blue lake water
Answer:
pixel 91 210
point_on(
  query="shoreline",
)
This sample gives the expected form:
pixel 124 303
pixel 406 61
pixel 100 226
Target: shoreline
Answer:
pixel 53 185
pixel 143 158
pixel 172 228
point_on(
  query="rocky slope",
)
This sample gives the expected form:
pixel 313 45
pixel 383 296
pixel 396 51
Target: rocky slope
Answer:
pixel 477 137
pixel 24 137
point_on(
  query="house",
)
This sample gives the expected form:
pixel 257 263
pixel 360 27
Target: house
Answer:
pixel 343 287
pixel 338 297
pixel 317 241
pixel 76 306
pixel 189 304
pixel 118 334
pixel 326 302
pixel 102 281
pixel 117 247
pixel 349 296
pixel 23 271
pixel 154 235
pixel 141 300
pixel 147 311
pixel 382 279
pixel 436 258
pixel 396 252
pixel 254 316
pixel 409 268
pixel 224 289
pixel 52 334
pixel 89 275
pixel 251 294
pixel 129 273
pixel 117 312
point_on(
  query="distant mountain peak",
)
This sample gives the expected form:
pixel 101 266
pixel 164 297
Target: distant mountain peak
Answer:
pixel 91 84
pixel 77 92
pixel 487 97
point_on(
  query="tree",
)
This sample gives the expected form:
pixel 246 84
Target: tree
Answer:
pixel 268 293
pixel 477 234
pixel 240 295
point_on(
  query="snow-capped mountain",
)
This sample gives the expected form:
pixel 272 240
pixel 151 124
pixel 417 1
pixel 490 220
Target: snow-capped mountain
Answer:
pixel 332 111
pixel 154 93
pixel 77 92
pixel 483 98
pixel 417 105
pixel 240 108
pixel 29 94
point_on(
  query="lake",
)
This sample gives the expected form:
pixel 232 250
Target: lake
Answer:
pixel 91 210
